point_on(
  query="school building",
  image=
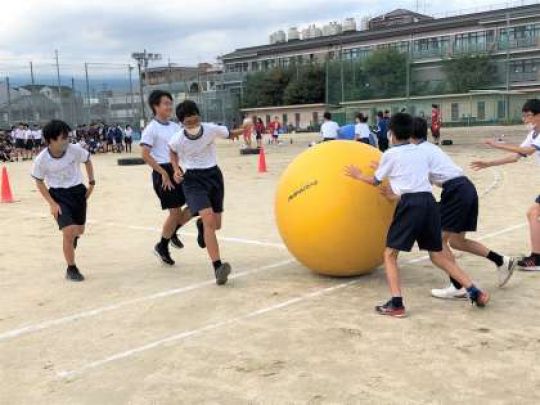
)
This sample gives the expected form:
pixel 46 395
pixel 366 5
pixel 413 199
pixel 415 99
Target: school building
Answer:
pixel 511 36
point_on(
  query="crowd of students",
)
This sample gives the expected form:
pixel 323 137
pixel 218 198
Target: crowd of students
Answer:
pixel 24 141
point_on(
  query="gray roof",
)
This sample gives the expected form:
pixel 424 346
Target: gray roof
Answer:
pixel 354 37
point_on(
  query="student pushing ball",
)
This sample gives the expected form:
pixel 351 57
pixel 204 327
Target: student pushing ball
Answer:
pixel 330 223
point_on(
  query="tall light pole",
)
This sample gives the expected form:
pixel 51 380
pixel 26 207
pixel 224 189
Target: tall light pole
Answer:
pixel 58 84
pixel 142 59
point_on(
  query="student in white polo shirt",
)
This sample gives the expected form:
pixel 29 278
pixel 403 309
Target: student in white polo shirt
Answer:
pixel 155 152
pixel 329 128
pixel 20 141
pixel 459 212
pixel 58 176
pixel 416 218
pixel 361 129
pixel 37 135
pixel 529 147
pixel 194 148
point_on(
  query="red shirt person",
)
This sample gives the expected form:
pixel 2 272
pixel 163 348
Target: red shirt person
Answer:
pixel 436 123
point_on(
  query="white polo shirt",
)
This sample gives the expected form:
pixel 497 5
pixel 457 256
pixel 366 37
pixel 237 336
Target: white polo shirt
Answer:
pixel 157 136
pixel 441 166
pixel 19 133
pixel 198 153
pixel 329 130
pixel 37 134
pixel 361 130
pixel 406 169
pixel 62 172
pixel 533 141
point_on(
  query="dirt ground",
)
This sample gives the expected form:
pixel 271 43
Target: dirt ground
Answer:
pixel 137 332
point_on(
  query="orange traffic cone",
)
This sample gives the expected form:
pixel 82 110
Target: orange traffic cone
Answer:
pixel 7 196
pixel 262 161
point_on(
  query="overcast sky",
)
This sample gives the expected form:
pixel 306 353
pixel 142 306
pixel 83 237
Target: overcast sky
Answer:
pixel 185 31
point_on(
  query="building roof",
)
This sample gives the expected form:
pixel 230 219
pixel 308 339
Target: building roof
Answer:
pixel 380 33
pixel 401 12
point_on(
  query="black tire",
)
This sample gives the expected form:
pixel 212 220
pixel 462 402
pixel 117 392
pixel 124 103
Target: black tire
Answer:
pixel 131 162
pixel 250 151
pixel 447 142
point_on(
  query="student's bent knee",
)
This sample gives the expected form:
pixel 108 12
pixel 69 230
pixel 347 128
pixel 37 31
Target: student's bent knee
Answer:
pixel 390 254
pixel 534 212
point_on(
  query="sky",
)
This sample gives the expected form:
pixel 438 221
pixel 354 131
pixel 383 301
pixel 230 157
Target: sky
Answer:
pixel 184 32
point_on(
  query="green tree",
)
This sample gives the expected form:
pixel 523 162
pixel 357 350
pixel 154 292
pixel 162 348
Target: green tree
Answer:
pixel 306 85
pixel 469 72
pixel 386 73
pixel 264 89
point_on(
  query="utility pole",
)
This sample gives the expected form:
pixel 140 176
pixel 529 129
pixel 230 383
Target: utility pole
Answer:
pixel 142 59
pixel 87 93
pixel 32 91
pixel 32 73
pixel 507 98
pixel 59 86
pixel 130 68
pixel 8 100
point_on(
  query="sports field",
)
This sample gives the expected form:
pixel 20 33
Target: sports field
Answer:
pixel 136 332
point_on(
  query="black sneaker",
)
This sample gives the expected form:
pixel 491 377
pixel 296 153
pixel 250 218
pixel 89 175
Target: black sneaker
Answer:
pixel 73 274
pixel 200 236
pixel 390 310
pixel 163 253
pixel 176 242
pixel 75 242
pixel 222 274
pixel 529 263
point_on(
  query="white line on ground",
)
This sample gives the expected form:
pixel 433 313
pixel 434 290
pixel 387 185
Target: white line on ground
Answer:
pixel 198 331
pixel 184 335
pixel 100 310
pixel 221 238
pixel 497 177
pixel 243 241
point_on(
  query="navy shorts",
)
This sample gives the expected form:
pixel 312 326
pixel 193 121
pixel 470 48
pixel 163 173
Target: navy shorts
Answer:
pixel 537 200
pixel 72 202
pixel 416 219
pixel 204 188
pixel 459 206
pixel 20 143
pixel 169 198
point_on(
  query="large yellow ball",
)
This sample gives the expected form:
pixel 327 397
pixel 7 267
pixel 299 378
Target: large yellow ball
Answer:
pixel 332 224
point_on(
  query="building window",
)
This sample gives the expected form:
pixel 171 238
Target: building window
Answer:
pixel 297 120
pixel 501 109
pixel 285 119
pixel 315 118
pixel 455 112
pixel 481 111
pixel 267 119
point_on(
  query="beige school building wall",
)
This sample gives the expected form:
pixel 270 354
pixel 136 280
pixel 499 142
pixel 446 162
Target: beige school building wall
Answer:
pixel 301 117
pixel 474 108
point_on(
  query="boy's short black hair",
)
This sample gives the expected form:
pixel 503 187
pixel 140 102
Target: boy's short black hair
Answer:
pixel 54 129
pixel 359 116
pixel 420 128
pixel 327 116
pixel 155 98
pixel 380 114
pixel 435 106
pixel 401 125
pixel 187 108
pixel 532 105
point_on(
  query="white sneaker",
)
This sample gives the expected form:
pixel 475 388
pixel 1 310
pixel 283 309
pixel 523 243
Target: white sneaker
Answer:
pixel 506 271
pixel 449 293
